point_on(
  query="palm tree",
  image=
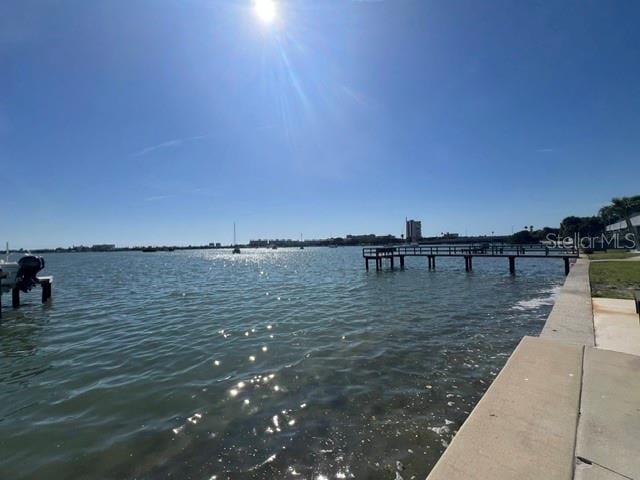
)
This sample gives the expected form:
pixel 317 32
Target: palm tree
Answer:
pixel 622 208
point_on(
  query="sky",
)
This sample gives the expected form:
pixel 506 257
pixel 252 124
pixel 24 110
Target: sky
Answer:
pixel 165 121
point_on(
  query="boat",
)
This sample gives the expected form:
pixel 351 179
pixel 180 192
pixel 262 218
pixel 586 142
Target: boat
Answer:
pixel 236 248
pixel 275 247
pixel 21 274
pixel 301 243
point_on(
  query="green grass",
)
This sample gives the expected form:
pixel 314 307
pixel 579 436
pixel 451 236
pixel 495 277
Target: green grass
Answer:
pixel 614 279
pixel 611 255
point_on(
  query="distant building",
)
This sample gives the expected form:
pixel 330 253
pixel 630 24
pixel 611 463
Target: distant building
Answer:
pixel 621 226
pixel 414 231
pixel 103 247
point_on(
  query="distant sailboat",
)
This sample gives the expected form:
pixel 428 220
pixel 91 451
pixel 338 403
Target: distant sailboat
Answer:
pixel 301 244
pixel 236 248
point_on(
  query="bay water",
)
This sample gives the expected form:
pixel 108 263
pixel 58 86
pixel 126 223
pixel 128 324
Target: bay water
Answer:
pixel 283 363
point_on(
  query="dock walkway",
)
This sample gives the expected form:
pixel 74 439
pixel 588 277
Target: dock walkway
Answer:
pixel 511 252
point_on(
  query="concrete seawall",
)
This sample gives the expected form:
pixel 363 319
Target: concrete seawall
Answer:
pixel 524 426
pixel 559 409
pixel 571 319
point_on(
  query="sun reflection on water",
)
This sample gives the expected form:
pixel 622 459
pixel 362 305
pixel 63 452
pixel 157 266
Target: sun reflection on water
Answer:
pixel 388 381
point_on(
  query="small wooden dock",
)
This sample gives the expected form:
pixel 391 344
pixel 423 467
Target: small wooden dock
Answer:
pixel 44 282
pixel 468 252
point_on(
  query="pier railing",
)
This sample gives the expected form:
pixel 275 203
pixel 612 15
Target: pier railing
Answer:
pixel 469 252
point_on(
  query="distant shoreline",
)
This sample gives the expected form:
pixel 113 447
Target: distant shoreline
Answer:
pixel 349 241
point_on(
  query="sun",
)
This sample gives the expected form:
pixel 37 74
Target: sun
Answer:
pixel 265 10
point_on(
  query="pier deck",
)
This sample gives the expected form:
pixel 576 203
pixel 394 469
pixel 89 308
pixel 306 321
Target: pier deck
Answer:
pixel 468 252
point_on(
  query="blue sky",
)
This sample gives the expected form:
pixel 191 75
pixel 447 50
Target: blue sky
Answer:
pixel 158 121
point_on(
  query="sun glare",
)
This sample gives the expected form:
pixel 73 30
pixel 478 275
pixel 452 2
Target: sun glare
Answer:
pixel 265 10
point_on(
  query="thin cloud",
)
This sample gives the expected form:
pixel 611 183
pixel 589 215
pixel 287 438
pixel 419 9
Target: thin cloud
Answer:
pixel 195 192
pixel 157 198
pixel 357 96
pixel 545 150
pixel 168 144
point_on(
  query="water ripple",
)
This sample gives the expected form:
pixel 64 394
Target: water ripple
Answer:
pixel 270 364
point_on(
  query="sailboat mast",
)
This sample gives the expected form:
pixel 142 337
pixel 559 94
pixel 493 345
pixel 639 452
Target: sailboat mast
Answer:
pixel 234 234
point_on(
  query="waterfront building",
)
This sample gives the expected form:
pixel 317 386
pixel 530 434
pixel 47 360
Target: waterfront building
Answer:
pixel 450 236
pixel 622 225
pixel 413 231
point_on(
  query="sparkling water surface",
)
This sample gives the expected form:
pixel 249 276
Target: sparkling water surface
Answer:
pixel 280 363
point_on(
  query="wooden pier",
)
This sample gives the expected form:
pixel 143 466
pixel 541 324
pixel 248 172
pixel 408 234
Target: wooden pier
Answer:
pixel 468 252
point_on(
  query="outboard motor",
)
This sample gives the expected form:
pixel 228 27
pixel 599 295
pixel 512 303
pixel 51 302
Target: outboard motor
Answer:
pixel 26 278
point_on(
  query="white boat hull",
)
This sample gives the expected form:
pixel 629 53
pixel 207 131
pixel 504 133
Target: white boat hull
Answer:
pixel 11 271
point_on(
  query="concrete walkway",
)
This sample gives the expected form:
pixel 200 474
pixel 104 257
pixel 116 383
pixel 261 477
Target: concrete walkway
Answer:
pixel 617 325
pixel 566 405
pixel 608 443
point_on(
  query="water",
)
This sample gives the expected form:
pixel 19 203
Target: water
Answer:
pixel 270 364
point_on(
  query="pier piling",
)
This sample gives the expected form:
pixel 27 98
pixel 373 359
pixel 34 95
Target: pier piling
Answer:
pixel 2 276
pixel 468 263
pixel 45 284
pixel 512 265
pixel 15 297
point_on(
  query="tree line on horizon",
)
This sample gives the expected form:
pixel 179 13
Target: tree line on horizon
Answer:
pixel 621 209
